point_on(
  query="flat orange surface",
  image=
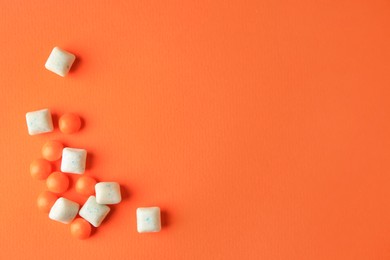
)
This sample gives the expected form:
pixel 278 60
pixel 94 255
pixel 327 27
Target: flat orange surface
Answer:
pixel 261 128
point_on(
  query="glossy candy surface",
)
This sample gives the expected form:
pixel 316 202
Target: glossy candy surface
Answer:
pixel 57 182
pixel 80 228
pixel 69 123
pixel 85 185
pixel 40 169
pixel 46 200
pixel 52 150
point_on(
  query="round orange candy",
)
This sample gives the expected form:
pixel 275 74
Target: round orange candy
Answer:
pixel 80 228
pixel 69 123
pixel 46 200
pixel 85 185
pixel 40 169
pixel 57 182
pixel 52 150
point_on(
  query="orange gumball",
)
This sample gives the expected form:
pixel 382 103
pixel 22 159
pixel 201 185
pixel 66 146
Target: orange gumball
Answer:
pixel 80 228
pixel 46 200
pixel 40 169
pixel 69 123
pixel 57 182
pixel 52 150
pixel 85 185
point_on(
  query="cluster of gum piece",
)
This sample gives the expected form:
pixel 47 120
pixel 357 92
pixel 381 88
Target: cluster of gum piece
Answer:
pixel 73 161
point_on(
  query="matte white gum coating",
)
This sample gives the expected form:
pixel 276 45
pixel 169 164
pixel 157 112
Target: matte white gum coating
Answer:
pixel 94 212
pixel 148 219
pixel 73 160
pixel 60 61
pixel 39 122
pixel 64 210
pixel 108 193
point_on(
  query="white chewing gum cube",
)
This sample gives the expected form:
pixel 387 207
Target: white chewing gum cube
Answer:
pixel 94 212
pixel 148 219
pixel 64 210
pixel 60 61
pixel 108 193
pixel 39 122
pixel 73 160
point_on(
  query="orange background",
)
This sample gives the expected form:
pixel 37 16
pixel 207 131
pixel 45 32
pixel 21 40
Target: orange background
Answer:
pixel 261 128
